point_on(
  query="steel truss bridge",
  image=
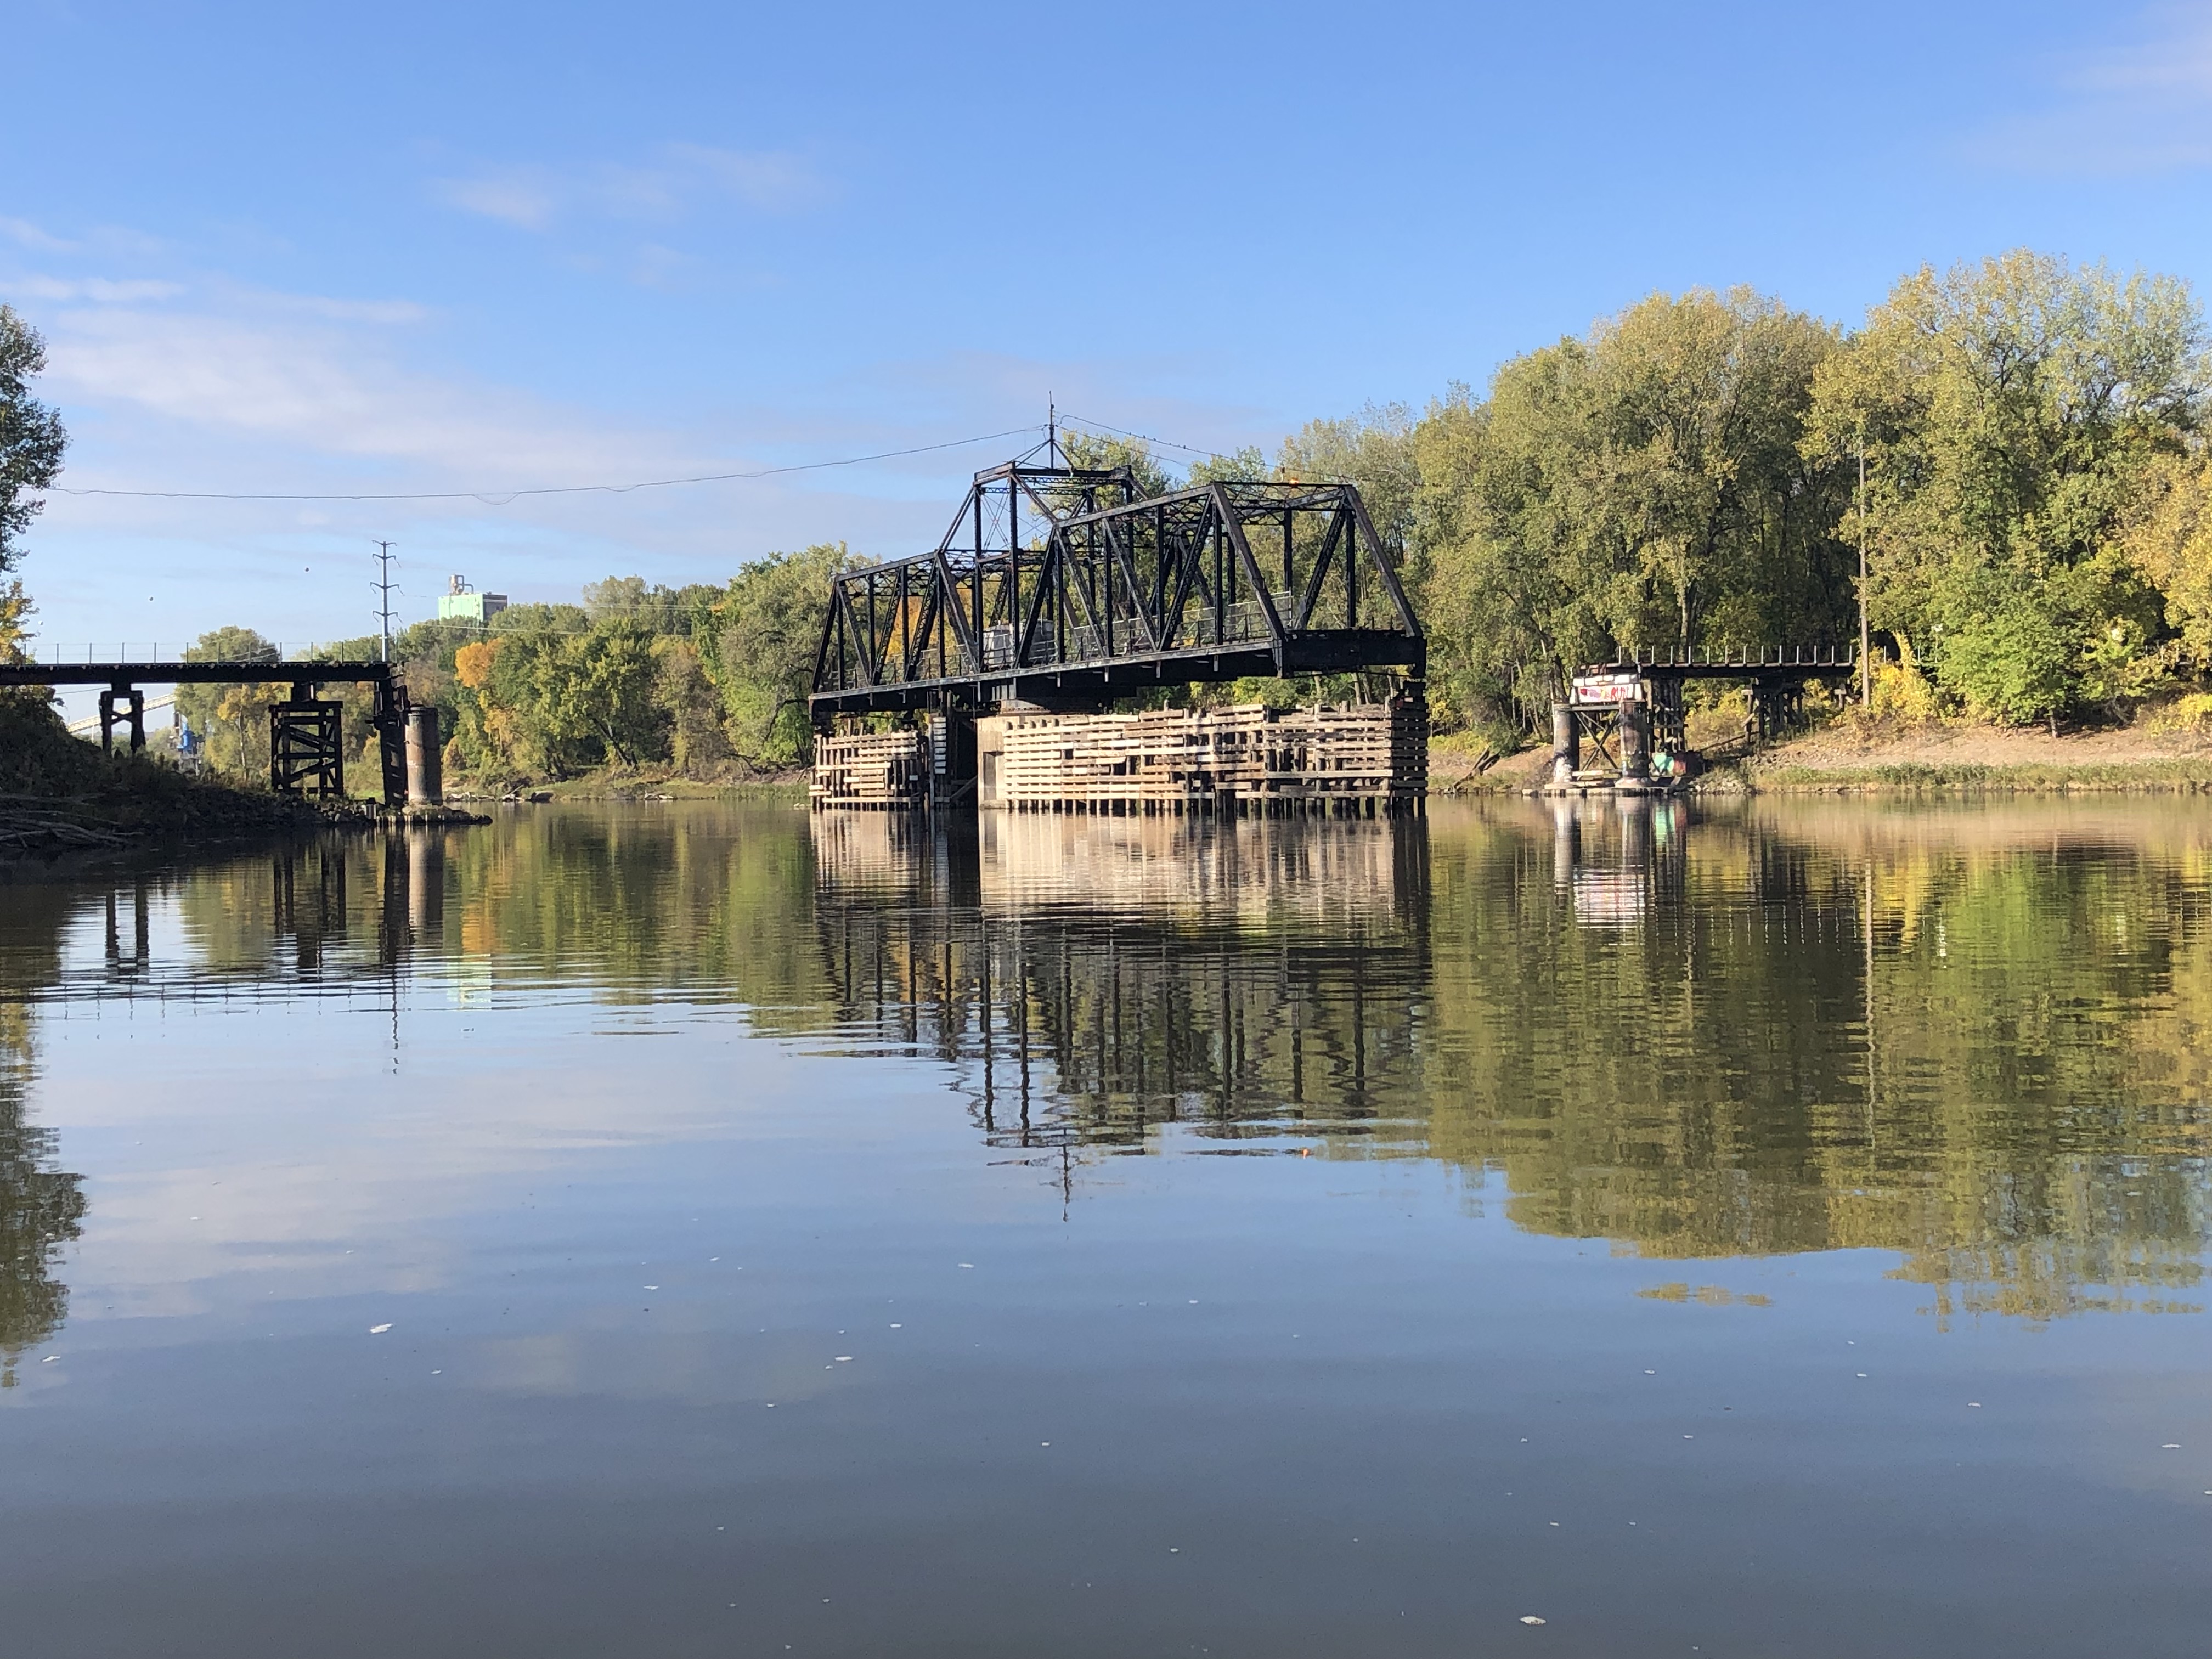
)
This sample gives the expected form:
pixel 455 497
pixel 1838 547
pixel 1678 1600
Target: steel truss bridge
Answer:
pixel 1061 586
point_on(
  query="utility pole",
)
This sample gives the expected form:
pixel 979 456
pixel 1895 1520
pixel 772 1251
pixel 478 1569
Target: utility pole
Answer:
pixel 1866 638
pixel 383 585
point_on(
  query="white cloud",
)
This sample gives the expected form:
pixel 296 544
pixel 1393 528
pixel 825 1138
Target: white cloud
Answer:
pixel 684 178
pixel 98 289
pixel 773 180
pixel 512 195
pixel 2140 105
pixel 325 390
pixel 210 384
pixel 27 234
pixel 383 311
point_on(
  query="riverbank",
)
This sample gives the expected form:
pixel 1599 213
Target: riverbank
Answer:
pixel 643 783
pixel 65 806
pixel 1833 759
pixel 1837 760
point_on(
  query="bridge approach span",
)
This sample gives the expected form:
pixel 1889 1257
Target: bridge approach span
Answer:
pixel 306 753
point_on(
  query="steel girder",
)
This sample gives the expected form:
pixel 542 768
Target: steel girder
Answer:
pixel 1061 585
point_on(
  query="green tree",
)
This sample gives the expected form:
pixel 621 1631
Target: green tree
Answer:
pixel 2013 414
pixel 689 710
pixel 233 721
pixel 16 609
pixel 1641 487
pixel 600 689
pixel 2170 540
pixel 662 610
pixel 769 627
pixel 1373 449
pixel 1236 466
pixel 1088 449
pixel 31 435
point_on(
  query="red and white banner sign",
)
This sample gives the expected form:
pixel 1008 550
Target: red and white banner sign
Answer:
pixel 1600 690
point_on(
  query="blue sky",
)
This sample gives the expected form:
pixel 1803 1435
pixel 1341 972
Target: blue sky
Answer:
pixel 303 249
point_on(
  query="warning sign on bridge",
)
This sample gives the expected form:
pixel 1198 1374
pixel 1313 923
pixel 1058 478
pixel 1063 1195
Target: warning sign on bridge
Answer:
pixel 1602 690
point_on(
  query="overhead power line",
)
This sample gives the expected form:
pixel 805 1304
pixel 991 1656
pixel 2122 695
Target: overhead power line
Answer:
pixel 502 497
pixel 1143 437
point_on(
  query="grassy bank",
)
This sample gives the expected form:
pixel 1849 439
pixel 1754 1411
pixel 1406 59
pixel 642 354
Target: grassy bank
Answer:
pixel 1837 759
pixel 2171 777
pixel 1961 756
pixel 1830 760
pixel 63 804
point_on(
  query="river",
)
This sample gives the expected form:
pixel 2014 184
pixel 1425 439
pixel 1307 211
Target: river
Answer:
pixel 668 1229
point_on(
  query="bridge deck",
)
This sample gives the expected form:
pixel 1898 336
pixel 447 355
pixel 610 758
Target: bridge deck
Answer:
pixel 1313 652
pixel 123 674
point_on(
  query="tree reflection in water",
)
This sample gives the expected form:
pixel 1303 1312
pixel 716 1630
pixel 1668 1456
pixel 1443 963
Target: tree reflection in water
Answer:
pixel 40 1208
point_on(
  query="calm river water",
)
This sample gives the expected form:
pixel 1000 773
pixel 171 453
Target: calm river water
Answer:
pixel 673 1230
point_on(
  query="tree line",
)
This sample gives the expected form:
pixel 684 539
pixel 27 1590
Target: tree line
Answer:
pixel 2019 446
pixel 708 679
pixel 2018 443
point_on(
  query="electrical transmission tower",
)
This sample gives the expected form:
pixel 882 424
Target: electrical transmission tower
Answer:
pixel 383 585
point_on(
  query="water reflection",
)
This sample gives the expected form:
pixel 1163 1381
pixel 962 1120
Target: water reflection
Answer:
pixel 1974 1038
pixel 1971 1038
pixel 41 1208
pixel 1108 975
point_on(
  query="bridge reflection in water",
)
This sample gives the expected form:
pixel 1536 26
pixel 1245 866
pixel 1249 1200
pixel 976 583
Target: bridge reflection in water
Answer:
pixel 1696 1035
pixel 1109 976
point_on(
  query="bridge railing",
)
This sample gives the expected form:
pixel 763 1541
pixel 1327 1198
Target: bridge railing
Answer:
pixel 1735 657
pixel 71 655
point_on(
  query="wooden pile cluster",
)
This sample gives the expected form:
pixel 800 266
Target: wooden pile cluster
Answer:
pixel 871 771
pixel 1364 761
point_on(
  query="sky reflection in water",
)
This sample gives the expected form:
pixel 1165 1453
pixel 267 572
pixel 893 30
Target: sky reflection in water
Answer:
pixel 1102 1237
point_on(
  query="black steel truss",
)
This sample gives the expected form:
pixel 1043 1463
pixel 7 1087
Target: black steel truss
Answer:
pixel 1061 585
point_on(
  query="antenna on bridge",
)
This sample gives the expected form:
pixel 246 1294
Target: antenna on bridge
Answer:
pixel 383 585
pixel 1051 431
